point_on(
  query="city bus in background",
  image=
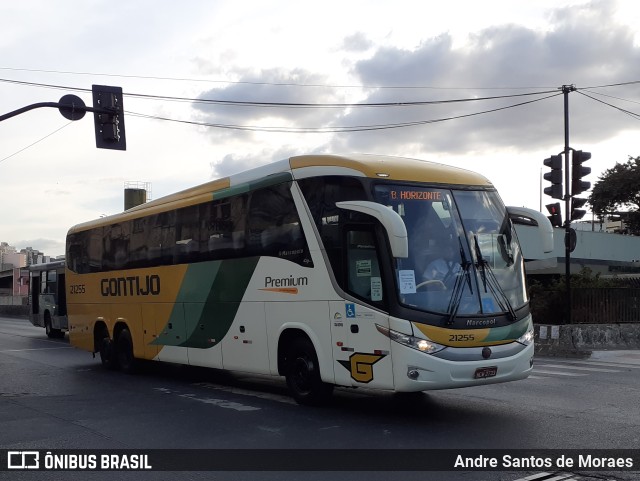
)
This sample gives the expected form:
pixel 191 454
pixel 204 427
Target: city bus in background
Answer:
pixel 48 297
pixel 360 271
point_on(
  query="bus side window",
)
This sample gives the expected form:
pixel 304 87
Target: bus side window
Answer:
pixel 273 226
pixel 363 267
pixel 187 248
pixel 115 244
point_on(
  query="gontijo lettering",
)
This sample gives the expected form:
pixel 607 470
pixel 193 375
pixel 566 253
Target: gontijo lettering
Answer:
pixel 131 286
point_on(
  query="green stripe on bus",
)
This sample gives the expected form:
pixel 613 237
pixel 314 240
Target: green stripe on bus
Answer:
pixel 253 185
pixel 215 290
pixel 511 332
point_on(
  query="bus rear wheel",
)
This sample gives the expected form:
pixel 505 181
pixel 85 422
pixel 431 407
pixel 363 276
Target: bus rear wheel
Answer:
pixel 107 355
pixel 124 352
pixel 303 374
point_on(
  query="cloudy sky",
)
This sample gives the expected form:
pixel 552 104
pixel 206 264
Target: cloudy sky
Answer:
pixel 330 53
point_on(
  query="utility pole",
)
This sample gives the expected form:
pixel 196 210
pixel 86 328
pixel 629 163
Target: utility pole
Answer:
pixel 566 89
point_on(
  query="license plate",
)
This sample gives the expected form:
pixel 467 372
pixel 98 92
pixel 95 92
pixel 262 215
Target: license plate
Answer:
pixel 484 372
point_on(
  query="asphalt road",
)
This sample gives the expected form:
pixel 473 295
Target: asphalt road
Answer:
pixel 53 396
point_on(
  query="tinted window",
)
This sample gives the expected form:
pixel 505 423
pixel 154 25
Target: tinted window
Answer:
pixel 263 222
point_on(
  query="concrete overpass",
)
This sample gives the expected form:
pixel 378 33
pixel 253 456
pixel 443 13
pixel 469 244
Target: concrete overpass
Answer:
pixel 604 253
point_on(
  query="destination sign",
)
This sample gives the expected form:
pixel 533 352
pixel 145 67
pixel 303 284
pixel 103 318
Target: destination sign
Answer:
pixel 415 194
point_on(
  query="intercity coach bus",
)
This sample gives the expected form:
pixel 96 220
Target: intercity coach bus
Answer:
pixel 380 272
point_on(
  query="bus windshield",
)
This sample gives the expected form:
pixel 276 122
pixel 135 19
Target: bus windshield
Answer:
pixel 464 259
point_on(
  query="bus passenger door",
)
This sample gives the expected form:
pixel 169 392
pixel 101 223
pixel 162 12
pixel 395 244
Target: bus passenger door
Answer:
pixel 35 294
pixel 361 351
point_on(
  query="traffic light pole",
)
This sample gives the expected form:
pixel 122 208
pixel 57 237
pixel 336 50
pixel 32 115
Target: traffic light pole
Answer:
pixel 108 114
pixel 566 89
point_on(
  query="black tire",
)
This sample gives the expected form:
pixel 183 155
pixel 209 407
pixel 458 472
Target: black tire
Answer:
pixel 51 332
pixel 107 353
pixel 303 374
pixel 124 352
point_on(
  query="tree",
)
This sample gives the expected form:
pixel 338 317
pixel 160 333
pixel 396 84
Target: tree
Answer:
pixel 618 190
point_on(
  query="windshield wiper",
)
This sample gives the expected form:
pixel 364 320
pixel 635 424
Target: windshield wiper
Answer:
pixel 480 261
pixel 458 287
pixel 489 279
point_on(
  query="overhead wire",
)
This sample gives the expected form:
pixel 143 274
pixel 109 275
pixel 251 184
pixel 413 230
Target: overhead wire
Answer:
pixel 619 84
pixel 338 129
pixel 625 111
pixel 36 142
pixel 611 96
pixel 251 82
pixel 330 129
pixel 246 103
pixel 343 129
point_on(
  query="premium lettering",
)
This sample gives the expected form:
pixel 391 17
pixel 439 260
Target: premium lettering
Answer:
pixel 286 281
pixel 131 286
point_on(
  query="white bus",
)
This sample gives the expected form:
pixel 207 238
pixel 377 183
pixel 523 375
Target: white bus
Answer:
pixel 373 271
pixel 48 304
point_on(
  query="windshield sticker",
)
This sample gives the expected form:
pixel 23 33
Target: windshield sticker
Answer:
pixel 363 268
pixel 407 281
pixel 376 289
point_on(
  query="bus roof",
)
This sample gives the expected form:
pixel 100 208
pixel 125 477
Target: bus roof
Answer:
pixel 302 166
pixel 55 264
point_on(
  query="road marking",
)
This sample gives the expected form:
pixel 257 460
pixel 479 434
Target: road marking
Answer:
pixel 578 368
pixel 246 392
pixel 223 403
pixel 558 373
pixel 547 477
pixel 603 363
pixel 37 349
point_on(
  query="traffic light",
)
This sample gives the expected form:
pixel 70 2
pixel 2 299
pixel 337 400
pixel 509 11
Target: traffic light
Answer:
pixel 109 120
pixel 578 172
pixel 556 216
pixel 554 176
pixel 576 211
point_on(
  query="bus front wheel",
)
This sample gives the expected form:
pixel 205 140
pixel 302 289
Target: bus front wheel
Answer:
pixel 303 374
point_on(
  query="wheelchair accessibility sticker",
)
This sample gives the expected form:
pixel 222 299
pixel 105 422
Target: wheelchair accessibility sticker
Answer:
pixel 350 310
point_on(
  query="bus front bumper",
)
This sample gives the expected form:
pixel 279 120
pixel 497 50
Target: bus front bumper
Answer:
pixel 417 371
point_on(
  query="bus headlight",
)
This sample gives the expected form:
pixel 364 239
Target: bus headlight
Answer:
pixel 527 337
pixel 422 345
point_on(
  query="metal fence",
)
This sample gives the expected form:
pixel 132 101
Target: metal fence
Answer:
pixel 605 305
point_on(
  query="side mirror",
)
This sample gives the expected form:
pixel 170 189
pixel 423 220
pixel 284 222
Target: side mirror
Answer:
pixel 390 220
pixel 522 215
